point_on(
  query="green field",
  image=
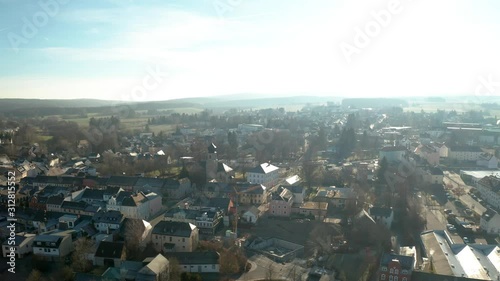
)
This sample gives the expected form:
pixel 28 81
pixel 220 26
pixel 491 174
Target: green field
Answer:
pixel 458 107
pixel 136 123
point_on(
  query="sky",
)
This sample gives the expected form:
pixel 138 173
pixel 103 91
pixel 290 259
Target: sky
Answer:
pixel 133 50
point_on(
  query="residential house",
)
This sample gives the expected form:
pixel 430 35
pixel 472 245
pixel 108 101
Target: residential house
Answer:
pixel 490 222
pixel 149 185
pixel 298 191
pixel 489 188
pixel 107 221
pixel 70 183
pixel 67 222
pixel 78 208
pixel 54 203
pixel 252 215
pixel 465 153
pixel 265 174
pixel 428 152
pixel 156 269
pixel 109 254
pixel 216 189
pixel 207 220
pixel 311 208
pixel 125 182
pixel 395 268
pixel 226 205
pixel 92 196
pixel 197 262
pixel 335 196
pixel 392 153
pixel 247 194
pixel 487 160
pixel 23 245
pixel 53 246
pixel 382 215
pixel 172 236
pixel 280 203
pixel 445 257
pixel 176 189
pixel 135 205
pixel 442 148
pixel 432 175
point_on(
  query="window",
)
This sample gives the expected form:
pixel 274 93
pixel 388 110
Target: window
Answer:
pixel 392 270
pixel 213 266
pixel 384 268
pixel 405 279
pixel 390 278
pixel 183 239
pixel 395 278
pixel 396 271
pixel 382 277
pixel 170 238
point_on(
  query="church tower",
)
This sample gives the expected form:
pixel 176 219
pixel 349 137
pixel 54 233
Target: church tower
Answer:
pixel 211 163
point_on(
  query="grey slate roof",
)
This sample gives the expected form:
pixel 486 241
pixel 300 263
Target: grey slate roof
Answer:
pixel 209 257
pixel 173 228
pixel 110 249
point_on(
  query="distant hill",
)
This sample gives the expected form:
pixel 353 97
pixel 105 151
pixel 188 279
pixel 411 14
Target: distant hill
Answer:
pixel 42 107
pixel 373 102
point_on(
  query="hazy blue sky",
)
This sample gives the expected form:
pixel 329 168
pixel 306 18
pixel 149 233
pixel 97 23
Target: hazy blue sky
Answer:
pixel 106 48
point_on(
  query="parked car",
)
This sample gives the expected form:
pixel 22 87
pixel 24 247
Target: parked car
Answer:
pixel 448 211
pixel 466 240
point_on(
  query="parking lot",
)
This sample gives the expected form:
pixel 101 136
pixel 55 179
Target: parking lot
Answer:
pixel 444 202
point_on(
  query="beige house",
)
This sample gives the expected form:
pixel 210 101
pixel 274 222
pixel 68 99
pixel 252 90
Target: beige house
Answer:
pixel 23 245
pixel 174 236
pixel 53 246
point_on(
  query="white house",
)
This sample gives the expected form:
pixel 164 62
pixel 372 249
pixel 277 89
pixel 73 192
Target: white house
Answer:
pixel 490 222
pixel 392 153
pixel 135 205
pixel 23 245
pixel 265 174
pixel 465 153
pixel 251 215
pixel 382 215
pixel 197 262
pixel 107 221
pixel 53 246
pixel 487 160
pixel 489 188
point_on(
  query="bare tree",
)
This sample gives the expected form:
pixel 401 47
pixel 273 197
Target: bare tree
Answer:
pixel 35 275
pixel 175 269
pixel 134 228
pixel 83 247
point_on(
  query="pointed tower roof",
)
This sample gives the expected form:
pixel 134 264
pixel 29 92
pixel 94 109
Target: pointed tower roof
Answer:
pixel 212 148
